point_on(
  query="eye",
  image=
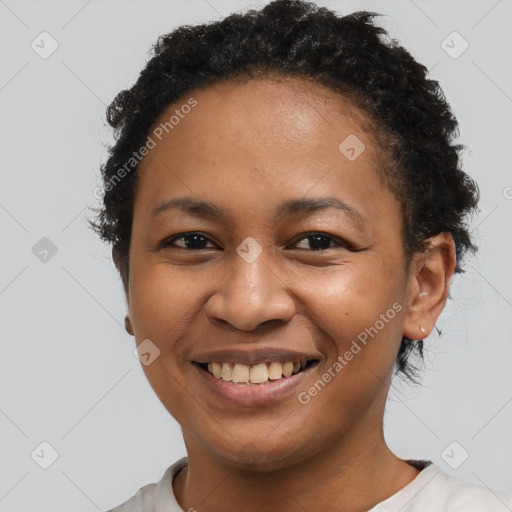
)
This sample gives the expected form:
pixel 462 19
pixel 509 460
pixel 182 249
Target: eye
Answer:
pixel 320 241
pixel 196 241
pixel 193 240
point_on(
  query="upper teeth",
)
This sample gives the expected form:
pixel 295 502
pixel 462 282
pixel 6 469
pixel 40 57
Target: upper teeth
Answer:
pixel 257 374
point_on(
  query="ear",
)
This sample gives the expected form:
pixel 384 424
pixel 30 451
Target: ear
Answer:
pixel 122 266
pixel 128 325
pixel 429 283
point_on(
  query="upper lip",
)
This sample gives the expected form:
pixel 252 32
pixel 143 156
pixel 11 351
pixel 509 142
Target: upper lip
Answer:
pixel 254 356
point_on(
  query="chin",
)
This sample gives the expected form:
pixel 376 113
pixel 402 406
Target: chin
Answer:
pixel 264 454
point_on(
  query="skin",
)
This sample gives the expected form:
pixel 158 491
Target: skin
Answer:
pixel 248 147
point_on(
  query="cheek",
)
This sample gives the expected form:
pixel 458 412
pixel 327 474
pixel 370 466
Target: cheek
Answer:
pixel 343 302
pixel 163 305
pixel 158 295
pixel 352 299
pixel 358 309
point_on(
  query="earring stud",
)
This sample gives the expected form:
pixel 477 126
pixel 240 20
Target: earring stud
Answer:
pixel 422 329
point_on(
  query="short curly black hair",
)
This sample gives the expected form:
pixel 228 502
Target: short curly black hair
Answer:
pixel 349 54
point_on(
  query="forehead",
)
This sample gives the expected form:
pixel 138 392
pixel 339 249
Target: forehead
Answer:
pixel 276 110
pixel 262 138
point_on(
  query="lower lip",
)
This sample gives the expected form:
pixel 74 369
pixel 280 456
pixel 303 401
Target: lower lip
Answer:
pixel 252 395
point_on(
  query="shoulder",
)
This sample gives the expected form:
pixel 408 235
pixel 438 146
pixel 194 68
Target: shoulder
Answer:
pixel 433 489
pixel 143 500
pixel 458 495
pixel 156 496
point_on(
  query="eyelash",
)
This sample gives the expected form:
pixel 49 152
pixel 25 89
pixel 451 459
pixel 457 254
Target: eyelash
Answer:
pixel 170 241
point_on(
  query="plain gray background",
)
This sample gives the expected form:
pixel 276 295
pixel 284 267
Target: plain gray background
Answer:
pixel 68 373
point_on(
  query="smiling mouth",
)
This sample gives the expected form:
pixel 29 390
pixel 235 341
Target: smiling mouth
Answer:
pixel 257 374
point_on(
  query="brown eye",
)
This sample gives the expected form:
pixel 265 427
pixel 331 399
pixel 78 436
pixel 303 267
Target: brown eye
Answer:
pixel 193 241
pixel 320 242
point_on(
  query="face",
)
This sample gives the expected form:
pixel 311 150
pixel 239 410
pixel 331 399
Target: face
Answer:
pixel 259 248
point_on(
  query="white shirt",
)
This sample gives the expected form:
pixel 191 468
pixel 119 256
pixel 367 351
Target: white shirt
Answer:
pixel 431 491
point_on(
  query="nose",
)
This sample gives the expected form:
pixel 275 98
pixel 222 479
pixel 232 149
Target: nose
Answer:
pixel 250 294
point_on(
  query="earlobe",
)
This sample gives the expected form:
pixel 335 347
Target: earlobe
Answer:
pixel 429 285
pixel 128 325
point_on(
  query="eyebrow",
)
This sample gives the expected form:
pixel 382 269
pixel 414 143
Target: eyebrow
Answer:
pixel 292 207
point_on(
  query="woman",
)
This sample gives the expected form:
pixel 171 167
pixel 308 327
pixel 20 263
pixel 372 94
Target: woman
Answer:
pixel 287 209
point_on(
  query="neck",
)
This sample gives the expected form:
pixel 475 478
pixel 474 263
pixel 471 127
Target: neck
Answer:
pixel 353 474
